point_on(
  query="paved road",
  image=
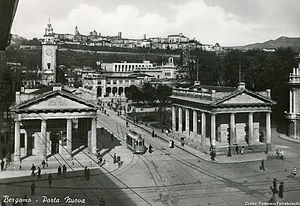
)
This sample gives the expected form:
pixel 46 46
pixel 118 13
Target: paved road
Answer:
pixel 167 177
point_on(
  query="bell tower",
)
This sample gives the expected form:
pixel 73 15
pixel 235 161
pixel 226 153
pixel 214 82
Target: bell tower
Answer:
pixel 49 49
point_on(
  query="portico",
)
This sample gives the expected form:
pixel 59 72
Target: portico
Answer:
pixel 54 122
pixel 219 116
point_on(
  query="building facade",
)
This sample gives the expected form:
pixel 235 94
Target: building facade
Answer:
pixel 293 115
pixel 53 122
pixel 222 116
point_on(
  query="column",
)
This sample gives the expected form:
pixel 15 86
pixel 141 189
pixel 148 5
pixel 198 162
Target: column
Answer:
pixel 294 101
pixel 268 127
pixel 43 140
pixel 173 119
pixel 123 93
pixel 25 144
pixel 195 122
pixel 232 128
pixel 213 129
pixel 103 91
pixel 187 121
pixel 17 142
pixel 250 128
pixel 69 138
pixel 179 119
pixel 291 101
pixel 203 128
pixel 94 136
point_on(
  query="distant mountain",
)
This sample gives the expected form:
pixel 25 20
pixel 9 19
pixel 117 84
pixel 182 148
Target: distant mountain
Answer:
pixel 293 42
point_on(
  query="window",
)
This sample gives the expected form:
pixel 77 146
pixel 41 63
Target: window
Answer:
pixel 48 65
pixel 168 74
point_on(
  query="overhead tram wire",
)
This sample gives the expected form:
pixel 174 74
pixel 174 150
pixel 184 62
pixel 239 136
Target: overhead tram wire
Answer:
pixel 65 160
pixel 83 166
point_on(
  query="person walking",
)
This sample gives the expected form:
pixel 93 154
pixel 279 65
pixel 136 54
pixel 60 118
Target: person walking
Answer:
pixel 88 174
pixel 242 150
pixel 2 165
pixel 229 152
pixel 262 166
pixel 212 155
pixel 280 193
pixel 43 164
pixel 115 158
pixel 32 188
pixel 59 171
pixel 275 185
pixel 39 173
pixel 33 170
pixel 153 133
pixel 50 180
pixel 85 172
pixel 237 149
pixel 64 173
pixel 150 148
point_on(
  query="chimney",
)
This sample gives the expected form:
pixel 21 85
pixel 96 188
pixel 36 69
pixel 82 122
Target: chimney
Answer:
pixel 241 86
pixel 120 34
pixel 57 87
pixel 145 36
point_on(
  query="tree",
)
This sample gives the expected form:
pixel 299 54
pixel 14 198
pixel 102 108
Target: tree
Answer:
pixel 163 93
pixel 149 93
pixel 134 94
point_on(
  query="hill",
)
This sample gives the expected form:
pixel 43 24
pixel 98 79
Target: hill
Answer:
pixel 285 42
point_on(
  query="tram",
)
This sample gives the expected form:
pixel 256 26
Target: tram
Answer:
pixel 135 142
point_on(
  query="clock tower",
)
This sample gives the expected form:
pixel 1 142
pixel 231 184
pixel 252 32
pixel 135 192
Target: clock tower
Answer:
pixel 49 48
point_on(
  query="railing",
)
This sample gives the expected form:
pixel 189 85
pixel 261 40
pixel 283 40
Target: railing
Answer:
pixel 192 94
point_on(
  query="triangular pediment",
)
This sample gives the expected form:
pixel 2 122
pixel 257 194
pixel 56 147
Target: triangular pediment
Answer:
pixel 243 98
pixel 57 102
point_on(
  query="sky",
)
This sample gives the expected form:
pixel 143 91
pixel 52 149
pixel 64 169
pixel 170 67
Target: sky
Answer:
pixel 228 22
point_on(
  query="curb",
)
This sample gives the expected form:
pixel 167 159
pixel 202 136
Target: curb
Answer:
pixel 187 148
pixel 283 136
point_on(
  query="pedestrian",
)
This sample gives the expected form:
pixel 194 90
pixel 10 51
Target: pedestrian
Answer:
pixel 167 132
pixel 212 155
pixel 43 164
pixel 32 188
pixel 237 149
pixel 39 173
pixel 280 193
pixel 2 165
pixel 262 166
pixel 170 143
pixel 275 185
pixel 150 148
pixel 85 172
pixel 102 202
pixel 115 158
pixel 50 180
pixel 88 174
pixel 242 150
pixel 64 171
pixel 33 170
pixel 59 171
pixel 153 133
pixel 229 152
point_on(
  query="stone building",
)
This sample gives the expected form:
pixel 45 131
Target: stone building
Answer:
pixel 293 115
pixel 52 122
pixel 222 116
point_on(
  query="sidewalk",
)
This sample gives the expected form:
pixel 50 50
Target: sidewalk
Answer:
pixel 109 166
pixel 283 136
pixel 236 158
